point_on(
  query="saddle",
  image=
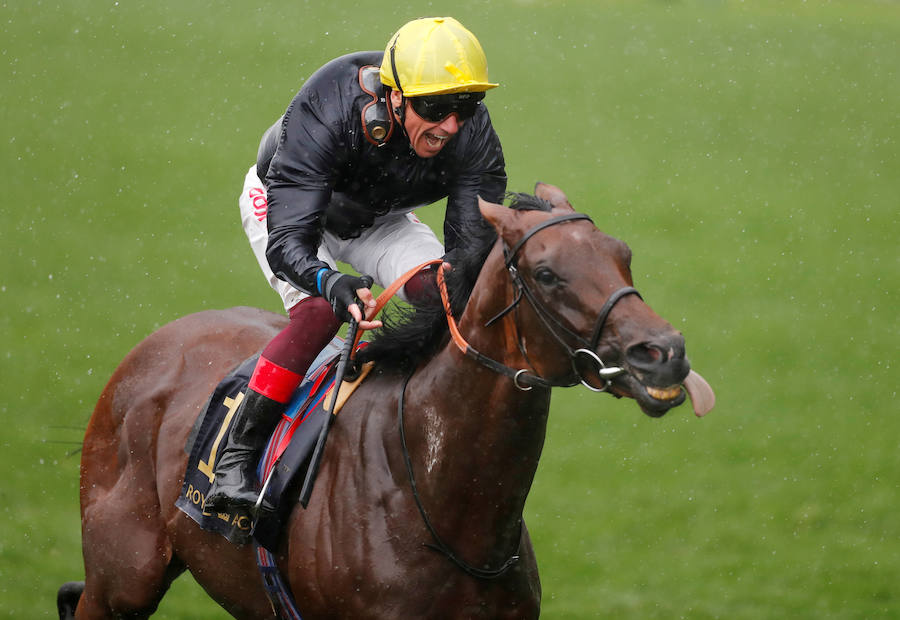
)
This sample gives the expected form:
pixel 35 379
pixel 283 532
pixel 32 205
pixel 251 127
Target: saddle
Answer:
pixel 285 458
pixel 288 452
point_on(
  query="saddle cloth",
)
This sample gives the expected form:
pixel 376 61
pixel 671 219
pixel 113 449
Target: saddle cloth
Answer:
pixel 284 459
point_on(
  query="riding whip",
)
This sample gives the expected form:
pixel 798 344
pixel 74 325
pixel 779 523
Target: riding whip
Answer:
pixel 316 459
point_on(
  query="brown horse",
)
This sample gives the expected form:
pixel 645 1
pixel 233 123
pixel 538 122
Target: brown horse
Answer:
pixel 424 520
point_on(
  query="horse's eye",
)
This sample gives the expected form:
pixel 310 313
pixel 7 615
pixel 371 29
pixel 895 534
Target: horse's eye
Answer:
pixel 545 276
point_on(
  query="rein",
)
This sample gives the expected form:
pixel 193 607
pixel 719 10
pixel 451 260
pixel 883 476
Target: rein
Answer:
pixel 439 545
pixel 521 378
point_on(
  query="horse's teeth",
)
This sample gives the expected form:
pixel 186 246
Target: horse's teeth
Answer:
pixel 664 393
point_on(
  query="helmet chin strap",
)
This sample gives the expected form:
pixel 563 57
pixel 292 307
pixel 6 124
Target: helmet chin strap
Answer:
pixel 399 112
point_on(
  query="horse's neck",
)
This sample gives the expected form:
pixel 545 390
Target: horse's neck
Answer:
pixel 475 439
pixel 473 417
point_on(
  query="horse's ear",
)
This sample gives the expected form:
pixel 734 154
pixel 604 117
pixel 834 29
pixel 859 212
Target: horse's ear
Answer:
pixel 553 195
pixel 493 213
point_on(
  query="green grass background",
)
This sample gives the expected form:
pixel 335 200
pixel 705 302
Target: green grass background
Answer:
pixel 747 151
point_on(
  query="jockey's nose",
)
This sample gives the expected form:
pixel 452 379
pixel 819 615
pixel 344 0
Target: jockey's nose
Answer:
pixel 451 123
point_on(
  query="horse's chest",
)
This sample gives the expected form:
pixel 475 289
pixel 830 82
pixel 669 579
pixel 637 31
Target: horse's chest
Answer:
pixel 405 596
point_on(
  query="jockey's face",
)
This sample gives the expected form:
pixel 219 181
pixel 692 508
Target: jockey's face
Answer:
pixel 426 138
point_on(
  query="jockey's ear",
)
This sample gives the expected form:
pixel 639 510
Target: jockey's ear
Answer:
pixel 553 195
pixel 396 99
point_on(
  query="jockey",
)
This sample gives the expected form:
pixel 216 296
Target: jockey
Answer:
pixel 368 138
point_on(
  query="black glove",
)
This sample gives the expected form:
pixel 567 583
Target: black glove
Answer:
pixel 339 289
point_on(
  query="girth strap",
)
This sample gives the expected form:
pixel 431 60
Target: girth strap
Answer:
pixel 277 591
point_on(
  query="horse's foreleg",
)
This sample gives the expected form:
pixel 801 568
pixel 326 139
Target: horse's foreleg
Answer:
pixel 67 599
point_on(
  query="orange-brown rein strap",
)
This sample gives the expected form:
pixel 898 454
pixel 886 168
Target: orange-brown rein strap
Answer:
pixel 451 322
pixel 386 295
pixel 522 379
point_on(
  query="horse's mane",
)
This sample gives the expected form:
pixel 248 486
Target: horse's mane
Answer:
pixel 414 333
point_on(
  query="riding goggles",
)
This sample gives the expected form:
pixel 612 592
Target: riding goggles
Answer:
pixel 435 108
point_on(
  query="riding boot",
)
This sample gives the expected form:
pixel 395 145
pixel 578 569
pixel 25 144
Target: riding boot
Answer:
pixel 278 372
pixel 234 486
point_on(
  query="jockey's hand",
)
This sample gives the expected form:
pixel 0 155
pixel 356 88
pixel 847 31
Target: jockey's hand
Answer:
pixel 349 296
pixel 366 302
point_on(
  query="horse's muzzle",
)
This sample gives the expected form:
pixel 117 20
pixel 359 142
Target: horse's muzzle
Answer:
pixel 656 370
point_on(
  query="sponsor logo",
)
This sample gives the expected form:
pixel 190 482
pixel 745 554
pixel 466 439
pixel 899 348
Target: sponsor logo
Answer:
pixel 260 205
pixel 239 521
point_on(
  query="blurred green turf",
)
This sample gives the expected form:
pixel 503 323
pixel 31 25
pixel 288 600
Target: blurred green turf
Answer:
pixel 748 152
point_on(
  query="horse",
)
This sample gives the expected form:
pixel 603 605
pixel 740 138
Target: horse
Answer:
pixel 417 509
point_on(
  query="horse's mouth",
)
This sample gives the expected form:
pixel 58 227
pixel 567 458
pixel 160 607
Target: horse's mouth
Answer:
pixel 654 401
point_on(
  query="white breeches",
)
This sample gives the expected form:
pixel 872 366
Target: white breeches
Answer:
pixel 391 247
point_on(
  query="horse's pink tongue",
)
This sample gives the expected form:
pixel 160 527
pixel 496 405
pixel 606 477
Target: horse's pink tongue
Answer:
pixel 702 396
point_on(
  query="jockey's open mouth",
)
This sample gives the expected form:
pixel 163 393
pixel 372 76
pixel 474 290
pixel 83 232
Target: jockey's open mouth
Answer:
pixel 434 139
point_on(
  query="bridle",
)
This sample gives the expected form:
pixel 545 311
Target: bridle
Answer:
pixel 521 378
pixel 585 348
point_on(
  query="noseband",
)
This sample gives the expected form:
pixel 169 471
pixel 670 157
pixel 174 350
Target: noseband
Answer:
pixel 585 348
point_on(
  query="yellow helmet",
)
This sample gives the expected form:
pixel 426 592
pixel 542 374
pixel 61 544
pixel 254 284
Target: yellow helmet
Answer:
pixel 434 56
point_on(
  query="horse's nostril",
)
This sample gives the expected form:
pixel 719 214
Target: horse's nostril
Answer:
pixel 645 355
